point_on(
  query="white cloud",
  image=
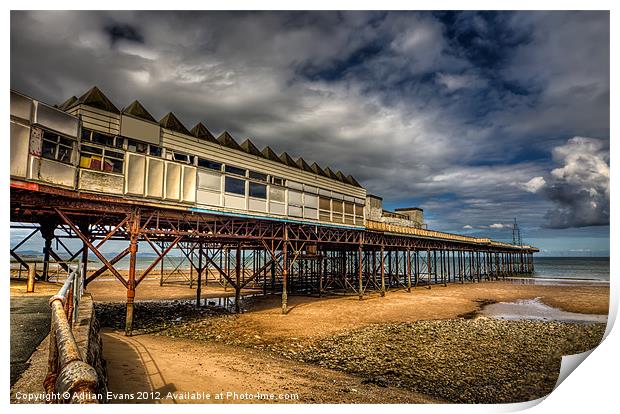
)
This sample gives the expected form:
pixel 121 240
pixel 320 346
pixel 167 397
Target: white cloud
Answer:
pixel 453 82
pixel 580 187
pixel 533 185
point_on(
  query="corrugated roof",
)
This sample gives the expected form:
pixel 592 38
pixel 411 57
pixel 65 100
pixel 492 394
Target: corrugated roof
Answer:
pixel 68 103
pixel 171 122
pixel 271 155
pixel 139 111
pixel 317 169
pixel 200 131
pixel 249 147
pixel 288 160
pixel 97 99
pixel 228 141
pixel 301 163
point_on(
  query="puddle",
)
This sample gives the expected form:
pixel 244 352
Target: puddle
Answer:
pixel 556 281
pixel 534 309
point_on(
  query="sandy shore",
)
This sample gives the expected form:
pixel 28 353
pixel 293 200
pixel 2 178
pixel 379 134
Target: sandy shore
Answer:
pixel 401 343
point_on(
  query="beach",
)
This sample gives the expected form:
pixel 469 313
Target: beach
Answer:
pixel 427 345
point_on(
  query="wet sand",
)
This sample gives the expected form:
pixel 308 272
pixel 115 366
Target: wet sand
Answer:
pixel 170 367
pixel 252 346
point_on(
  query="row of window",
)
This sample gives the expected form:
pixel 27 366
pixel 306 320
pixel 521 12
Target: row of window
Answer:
pixel 104 156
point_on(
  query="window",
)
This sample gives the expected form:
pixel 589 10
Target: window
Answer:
pixel 212 165
pixel 136 146
pixel 234 186
pixel 56 147
pixel 155 151
pixel 258 190
pixel 101 159
pixel 324 203
pixel 258 176
pixel 348 208
pixel 277 180
pixel 188 159
pixel 102 139
pixel 143 148
pixel 234 170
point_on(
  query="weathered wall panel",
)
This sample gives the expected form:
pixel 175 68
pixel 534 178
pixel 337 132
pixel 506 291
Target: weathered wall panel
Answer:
pixel 139 129
pixel 155 178
pixel 101 182
pixel 135 174
pixel 56 120
pixel 20 139
pixel 172 190
pixel 21 106
pixel 189 184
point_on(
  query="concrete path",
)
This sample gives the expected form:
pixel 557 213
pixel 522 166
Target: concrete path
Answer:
pixel 30 322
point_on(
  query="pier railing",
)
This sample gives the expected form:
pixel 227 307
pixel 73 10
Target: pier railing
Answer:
pixel 69 378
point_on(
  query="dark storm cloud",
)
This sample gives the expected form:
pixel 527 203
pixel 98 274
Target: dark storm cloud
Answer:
pixel 118 32
pixel 451 111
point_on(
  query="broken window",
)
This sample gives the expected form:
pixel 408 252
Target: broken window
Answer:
pixel 56 147
pixel 101 159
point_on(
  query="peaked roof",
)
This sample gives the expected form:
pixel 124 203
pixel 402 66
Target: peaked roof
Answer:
pixel 228 141
pixel 331 174
pixel 200 131
pixel 139 111
pixel 68 103
pixel 353 181
pixel 95 98
pixel 171 122
pixel 288 160
pixel 317 170
pixel 249 147
pixel 271 155
pixel 301 163
pixel 342 177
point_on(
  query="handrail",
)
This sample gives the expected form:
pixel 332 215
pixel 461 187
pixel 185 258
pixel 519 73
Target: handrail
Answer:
pixel 395 228
pixel 69 378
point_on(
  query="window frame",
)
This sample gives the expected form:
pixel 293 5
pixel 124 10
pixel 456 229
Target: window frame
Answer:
pixel 264 186
pixel 56 140
pixel 103 153
pixel 231 169
pixel 208 161
pixel 232 179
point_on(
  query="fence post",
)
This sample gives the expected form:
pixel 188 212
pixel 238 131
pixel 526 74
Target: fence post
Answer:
pixel 32 271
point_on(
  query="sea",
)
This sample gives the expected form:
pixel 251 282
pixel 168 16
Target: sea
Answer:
pixel 595 269
pixel 558 269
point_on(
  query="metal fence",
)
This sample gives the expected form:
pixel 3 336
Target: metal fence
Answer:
pixel 69 378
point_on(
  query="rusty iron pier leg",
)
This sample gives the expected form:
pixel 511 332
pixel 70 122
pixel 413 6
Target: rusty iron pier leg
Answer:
pixel 200 269
pixel 47 231
pixel 284 271
pixel 131 282
pixel 85 229
pixel 382 271
pixel 238 280
pixel 408 270
pixel 360 259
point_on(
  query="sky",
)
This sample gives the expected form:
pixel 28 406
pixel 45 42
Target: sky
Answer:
pixel 476 117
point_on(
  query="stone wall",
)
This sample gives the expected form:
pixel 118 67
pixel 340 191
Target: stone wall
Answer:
pixel 86 332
